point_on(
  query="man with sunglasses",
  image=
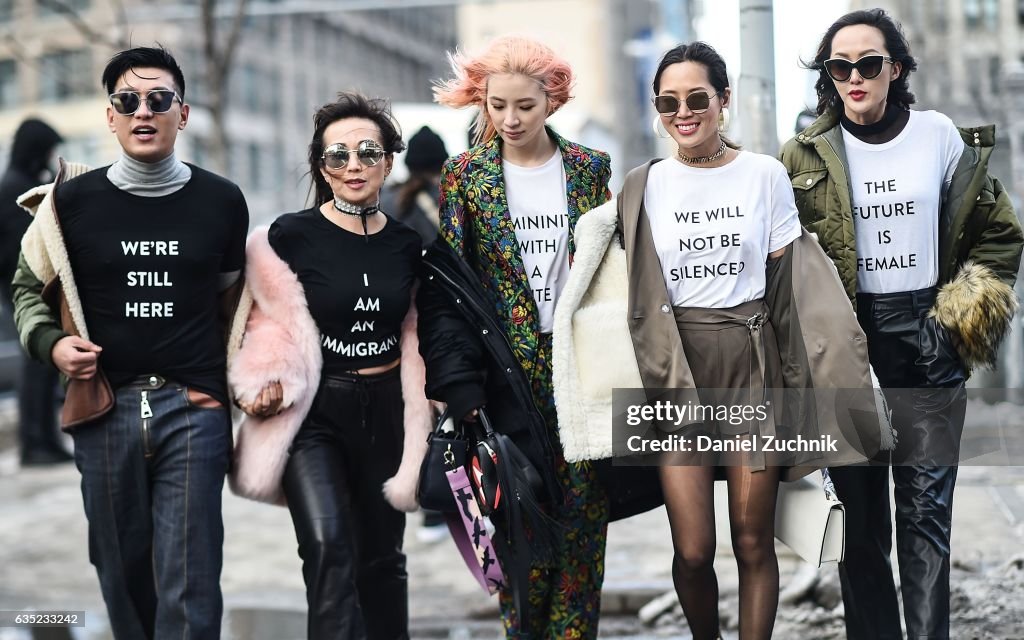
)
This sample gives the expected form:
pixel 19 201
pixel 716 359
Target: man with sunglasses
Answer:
pixel 121 284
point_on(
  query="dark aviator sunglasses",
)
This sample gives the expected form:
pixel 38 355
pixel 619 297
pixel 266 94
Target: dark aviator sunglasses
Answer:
pixel 158 101
pixel 697 102
pixel 840 69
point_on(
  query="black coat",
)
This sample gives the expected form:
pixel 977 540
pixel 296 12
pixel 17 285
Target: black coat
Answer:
pixel 470 362
pixel 33 143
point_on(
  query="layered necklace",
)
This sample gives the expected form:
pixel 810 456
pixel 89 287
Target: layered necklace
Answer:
pixel 703 159
pixel 349 209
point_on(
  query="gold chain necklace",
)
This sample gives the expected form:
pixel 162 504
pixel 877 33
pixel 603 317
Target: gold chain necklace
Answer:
pixel 703 159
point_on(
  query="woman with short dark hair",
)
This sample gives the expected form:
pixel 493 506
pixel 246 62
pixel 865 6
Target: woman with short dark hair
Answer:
pixel 927 246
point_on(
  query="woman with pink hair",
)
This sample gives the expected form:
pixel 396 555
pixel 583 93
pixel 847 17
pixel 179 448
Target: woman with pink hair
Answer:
pixel 509 207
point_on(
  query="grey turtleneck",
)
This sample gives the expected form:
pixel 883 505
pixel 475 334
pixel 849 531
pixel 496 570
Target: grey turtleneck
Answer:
pixel 150 179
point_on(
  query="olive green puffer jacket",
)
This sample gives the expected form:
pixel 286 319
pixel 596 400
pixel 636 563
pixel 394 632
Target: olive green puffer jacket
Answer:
pixel 980 237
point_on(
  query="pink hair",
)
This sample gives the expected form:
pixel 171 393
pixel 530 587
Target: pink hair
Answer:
pixel 507 54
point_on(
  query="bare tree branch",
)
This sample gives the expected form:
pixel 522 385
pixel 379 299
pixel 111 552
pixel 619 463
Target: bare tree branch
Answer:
pixel 18 51
pixel 218 71
pixel 236 33
pixel 121 16
pixel 75 20
pixel 209 21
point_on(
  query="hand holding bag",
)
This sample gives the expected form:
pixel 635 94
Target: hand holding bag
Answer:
pixel 84 400
pixel 447 449
pixel 811 520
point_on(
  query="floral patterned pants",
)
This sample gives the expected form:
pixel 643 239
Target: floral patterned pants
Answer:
pixel 565 597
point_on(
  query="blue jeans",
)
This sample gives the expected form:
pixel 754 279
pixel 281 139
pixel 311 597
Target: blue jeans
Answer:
pixel 152 488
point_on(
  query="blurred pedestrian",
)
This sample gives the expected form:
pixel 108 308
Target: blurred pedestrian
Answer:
pixel 33 160
pixel 508 209
pixel 139 259
pixel 415 201
pixel 330 376
pixel 927 245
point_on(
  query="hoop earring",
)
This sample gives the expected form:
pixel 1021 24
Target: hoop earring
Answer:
pixel 723 120
pixel 658 130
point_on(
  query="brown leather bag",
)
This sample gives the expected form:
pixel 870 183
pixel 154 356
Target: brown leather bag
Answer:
pixel 84 400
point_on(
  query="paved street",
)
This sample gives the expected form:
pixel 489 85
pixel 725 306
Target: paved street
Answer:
pixel 43 555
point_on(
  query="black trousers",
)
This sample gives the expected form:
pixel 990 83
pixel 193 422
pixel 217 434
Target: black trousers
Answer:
pixel 350 538
pixel 923 379
pixel 37 408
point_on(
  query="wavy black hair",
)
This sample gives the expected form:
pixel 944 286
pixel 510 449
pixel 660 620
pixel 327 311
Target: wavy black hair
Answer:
pixel 349 105
pixel 156 57
pixel 895 42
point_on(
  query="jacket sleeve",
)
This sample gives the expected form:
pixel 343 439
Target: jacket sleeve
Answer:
pixel 998 241
pixel 268 354
pixel 38 327
pixel 453 355
pixel 604 176
pixel 452 207
pixel 281 341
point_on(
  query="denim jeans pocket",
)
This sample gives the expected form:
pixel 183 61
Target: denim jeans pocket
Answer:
pixel 197 399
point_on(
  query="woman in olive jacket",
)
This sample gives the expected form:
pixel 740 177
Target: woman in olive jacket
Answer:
pixel 927 246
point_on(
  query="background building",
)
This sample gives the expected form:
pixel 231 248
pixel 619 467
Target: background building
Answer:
pixel 288 61
pixel 966 49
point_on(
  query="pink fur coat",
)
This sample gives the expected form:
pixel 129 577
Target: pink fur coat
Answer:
pixel 274 338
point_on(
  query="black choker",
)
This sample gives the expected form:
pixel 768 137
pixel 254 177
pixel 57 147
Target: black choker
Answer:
pixel 354 209
pixel 892 113
pixel 350 209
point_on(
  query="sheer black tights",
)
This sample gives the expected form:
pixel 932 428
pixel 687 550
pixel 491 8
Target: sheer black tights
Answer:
pixel 689 498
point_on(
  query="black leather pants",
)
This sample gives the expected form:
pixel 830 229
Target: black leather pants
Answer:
pixel 923 379
pixel 350 538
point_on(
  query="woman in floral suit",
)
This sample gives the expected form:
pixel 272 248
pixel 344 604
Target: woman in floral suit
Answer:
pixel 508 210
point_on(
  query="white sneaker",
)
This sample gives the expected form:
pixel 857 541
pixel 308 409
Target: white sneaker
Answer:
pixel 430 535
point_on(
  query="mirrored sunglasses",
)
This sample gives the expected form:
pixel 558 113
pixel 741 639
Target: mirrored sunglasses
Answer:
pixel 840 69
pixel 697 102
pixel 336 155
pixel 157 101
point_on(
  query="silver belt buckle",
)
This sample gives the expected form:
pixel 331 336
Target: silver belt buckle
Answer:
pixel 755 321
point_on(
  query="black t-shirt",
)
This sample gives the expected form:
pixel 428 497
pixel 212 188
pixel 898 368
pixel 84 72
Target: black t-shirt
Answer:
pixel 147 272
pixel 357 288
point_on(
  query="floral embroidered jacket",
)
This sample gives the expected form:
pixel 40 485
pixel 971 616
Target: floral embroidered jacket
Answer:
pixel 475 221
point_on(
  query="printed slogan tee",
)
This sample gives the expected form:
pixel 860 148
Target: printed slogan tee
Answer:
pixel 357 287
pixel 897 189
pixel 539 210
pixel 147 270
pixel 714 227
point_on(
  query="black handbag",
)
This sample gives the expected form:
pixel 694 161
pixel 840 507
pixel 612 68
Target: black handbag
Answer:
pixel 497 466
pixel 447 448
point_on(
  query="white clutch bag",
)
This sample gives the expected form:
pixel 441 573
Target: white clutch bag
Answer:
pixel 810 519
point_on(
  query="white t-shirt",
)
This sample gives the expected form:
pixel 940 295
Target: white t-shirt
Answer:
pixel 897 189
pixel 714 227
pixel 540 215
